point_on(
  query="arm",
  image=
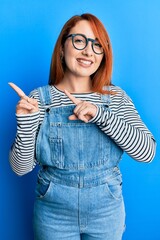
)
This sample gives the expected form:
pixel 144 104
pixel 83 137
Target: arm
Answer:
pixel 23 150
pixel 22 153
pixel 123 124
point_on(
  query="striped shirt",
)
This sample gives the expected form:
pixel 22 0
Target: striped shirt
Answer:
pixel 120 121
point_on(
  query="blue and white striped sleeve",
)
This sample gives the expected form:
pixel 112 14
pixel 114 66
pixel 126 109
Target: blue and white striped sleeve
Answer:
pixel 22 153
pixel 123 124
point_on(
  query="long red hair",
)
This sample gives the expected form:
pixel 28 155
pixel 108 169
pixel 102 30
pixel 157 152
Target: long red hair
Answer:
pixel 102 77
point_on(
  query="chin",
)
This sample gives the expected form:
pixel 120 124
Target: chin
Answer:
pixel 86 73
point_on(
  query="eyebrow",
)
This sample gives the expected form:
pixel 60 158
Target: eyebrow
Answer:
pixel 83 35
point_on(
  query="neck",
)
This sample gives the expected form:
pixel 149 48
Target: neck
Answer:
pixel 75 85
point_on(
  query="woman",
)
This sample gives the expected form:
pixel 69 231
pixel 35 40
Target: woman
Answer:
pixel 77 129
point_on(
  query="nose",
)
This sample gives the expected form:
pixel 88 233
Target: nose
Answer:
pixel 88 51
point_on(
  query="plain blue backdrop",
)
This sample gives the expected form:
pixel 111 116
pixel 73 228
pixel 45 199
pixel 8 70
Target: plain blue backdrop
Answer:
pixel 28 31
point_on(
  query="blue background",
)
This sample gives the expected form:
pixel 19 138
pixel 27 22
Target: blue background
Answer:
pixel 28 31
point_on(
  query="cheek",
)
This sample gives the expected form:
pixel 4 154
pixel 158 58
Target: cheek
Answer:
pixel 69 55
pixel 69 61
pixel 69 50
pixel 99 61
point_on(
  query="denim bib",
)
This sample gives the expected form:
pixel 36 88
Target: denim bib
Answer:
pixel 73 144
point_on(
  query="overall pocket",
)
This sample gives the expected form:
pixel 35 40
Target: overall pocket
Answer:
pixel 114 187
pixel 43 187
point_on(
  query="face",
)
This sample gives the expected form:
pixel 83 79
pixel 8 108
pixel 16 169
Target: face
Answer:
pixel 81 63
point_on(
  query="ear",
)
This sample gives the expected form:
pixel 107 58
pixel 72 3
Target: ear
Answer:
pixel 61 53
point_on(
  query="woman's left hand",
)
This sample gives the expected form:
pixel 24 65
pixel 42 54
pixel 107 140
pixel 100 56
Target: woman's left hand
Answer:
pixel 83 111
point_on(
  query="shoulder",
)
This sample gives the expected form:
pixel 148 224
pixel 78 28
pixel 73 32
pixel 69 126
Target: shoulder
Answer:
pixel 120 99
pixel 117 90
pixel 35 93
pixel 119 93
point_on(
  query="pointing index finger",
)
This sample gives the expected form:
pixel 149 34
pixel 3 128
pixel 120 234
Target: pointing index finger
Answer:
pixel 72 98
pixel 20 93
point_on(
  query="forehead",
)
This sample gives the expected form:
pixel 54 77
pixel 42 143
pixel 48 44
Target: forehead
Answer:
pixel 83 27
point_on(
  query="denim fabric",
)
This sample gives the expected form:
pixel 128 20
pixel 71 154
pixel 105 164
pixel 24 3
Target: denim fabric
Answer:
pixel 79 187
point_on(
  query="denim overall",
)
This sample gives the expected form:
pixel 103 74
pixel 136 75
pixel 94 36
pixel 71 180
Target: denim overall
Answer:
pixel 79 187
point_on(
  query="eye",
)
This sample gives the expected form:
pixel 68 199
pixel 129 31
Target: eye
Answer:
pixel 79 40
pixel 97 45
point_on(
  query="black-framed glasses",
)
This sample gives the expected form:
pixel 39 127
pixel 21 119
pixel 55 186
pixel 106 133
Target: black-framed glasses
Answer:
pixel 80 42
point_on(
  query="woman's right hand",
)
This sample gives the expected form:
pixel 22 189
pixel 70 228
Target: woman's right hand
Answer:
pixel 26 105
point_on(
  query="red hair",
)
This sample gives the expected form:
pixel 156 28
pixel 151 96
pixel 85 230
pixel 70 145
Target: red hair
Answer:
pixel 102 77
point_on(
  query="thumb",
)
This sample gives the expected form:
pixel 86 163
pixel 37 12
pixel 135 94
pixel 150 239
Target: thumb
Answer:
pixel 73 117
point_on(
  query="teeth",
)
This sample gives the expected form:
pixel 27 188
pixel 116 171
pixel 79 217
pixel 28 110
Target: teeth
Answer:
pixel 85 62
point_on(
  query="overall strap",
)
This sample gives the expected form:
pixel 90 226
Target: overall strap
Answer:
pixel 45 95
pixel 106 98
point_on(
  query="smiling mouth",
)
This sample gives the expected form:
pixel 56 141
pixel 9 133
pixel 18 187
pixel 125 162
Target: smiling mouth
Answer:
pixel 85 62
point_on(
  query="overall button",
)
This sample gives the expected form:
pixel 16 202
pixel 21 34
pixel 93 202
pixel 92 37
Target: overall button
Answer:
pixel 48 110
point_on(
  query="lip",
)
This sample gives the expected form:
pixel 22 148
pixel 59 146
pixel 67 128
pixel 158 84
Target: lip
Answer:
pixel 84 62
